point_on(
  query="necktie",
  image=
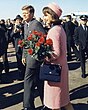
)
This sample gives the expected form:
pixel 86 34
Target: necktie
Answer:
pixel 84 27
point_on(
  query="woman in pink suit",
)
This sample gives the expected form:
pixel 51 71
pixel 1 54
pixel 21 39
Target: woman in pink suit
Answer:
pixel 56 95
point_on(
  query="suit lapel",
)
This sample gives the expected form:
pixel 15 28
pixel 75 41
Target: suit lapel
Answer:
pixel 25 31
pixel 84 32
pixel 28 28
pixel 87 33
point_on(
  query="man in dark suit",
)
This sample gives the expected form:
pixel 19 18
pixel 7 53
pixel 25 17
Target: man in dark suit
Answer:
pixel 4 56
pixel 69 27
pixel 31 79
pixel 3 47
pixel 18 34
pixel 81 40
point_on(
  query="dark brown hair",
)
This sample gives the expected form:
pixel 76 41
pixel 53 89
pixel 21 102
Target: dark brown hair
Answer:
pixel 55 18
pixel 26 7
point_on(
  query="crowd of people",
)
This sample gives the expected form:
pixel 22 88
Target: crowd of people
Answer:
pixel 67 36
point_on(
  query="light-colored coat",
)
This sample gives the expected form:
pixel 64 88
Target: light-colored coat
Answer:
pixel 56 95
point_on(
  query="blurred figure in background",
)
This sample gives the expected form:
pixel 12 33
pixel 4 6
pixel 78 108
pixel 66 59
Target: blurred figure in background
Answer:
pixel 3 47
pixel 9 27
pixel 81 41
pixel 4 56
pixel 69 27
pixel 18 34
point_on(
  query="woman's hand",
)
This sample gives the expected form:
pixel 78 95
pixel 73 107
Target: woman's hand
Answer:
pixel 53 57
pixel 47 60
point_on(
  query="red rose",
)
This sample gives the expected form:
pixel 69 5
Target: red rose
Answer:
pixel 40 34
pixel 30 51
pixel 49 42
pixel 30 37
pixel 20 42
pixel 45 35
pixel 35 32
pixel 37 44
pixel 41 40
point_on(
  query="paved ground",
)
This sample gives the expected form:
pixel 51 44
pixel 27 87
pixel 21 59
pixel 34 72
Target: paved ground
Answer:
pixel 11 91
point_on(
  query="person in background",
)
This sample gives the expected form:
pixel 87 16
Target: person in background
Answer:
pixel 2 24
pixel 31 79
pixel 9 27
pixel 75 22
pixel 4 56
pixel 56 94
pixel 81 41
pixel 18 34
pixel 69 27
pixel 2 49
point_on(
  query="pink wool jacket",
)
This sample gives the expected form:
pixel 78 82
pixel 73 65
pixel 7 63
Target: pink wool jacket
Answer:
pixel 56 95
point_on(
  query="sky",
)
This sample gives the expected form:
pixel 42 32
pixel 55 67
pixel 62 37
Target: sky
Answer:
pixel 11 8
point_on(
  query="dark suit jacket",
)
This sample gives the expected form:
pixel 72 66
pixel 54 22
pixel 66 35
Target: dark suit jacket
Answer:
pixel 69 29
pixel 33 25
pixel 81 37
pixel 16 37
pixel 3 42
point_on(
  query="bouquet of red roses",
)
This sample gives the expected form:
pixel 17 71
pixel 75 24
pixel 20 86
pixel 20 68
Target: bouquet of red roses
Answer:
pixel 37 45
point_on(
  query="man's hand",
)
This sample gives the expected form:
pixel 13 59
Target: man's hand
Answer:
pixel 23 61
pixel 77 46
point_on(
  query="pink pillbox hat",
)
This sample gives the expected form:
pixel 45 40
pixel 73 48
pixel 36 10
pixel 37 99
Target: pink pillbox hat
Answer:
pixel 55 8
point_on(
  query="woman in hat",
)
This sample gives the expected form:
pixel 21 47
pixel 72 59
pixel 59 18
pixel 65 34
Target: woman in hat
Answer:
pixel 56 95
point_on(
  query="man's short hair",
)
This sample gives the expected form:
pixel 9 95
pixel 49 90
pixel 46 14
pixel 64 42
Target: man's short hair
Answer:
pixel 32 10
